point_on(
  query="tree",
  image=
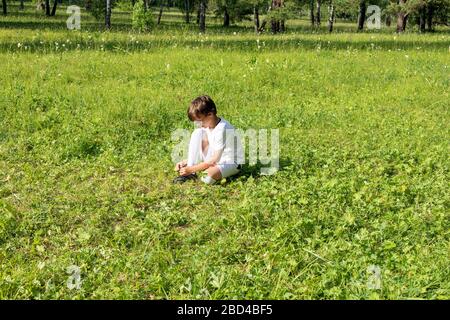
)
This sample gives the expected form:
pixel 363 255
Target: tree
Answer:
pixel 235 10
pixel 429 18
pixel 101 10
pixel 225 8
pixel 47 7
pixel 53 13
pixel 311 13
pixel 202 16
pixel 402 16
pixel 422 18
pixel 5 8
pixel 278 12
pixel 108 10
pixel 256 18
pixel 318 4
pixel 424 12
pixel 330 16
pixel 362 14
pixel 187 8
pixel 161 7
pixel 433 12
pixel 276 21
pixel 142 19
pixel 226 17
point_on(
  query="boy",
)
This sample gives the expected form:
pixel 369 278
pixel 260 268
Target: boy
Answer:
pixel 212 146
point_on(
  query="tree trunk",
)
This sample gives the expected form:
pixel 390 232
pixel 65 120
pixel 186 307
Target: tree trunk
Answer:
pixel 198 15
pixel 226 18
pixel 54 8
pixel 202 17
pixel 430 12
pixel 263 25
pixel 186 8
pixel 161 8
pixel 5 8
pixel 362 14
pixel 311 12
pixel 318 12
pixel 145 5
pixel 405 20
pixel 108 14
pixel 275 24
pixel 401 17
pixel 256 18
pixel 47 7
pixel 282 26
pixel 330 17
pixel 388 20
pixel 22 6
pixel 422 18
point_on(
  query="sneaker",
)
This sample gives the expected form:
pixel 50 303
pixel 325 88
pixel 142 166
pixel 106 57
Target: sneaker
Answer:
pixel 183 179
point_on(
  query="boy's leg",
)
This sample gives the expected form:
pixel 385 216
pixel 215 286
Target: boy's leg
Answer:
pixel 214 175
pixel 199 150
pixel 195 147
pixel 195 154
pixel 217 172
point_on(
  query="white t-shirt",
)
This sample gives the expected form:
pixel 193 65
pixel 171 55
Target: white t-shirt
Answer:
pixel 225 137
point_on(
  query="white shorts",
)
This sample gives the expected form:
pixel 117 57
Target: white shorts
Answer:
pixel 228 169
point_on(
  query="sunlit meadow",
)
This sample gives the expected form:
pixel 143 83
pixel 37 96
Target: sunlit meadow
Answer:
pixel 85 162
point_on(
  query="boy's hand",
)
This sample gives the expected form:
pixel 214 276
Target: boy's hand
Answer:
pixel 185 171
pixel 180 165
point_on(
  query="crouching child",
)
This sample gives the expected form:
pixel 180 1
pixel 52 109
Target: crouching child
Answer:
pixel 214 147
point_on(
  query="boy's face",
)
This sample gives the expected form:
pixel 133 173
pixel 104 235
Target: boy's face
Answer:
pixel 204 121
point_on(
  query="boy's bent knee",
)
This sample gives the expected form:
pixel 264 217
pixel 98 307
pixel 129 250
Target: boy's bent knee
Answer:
pixel 214 172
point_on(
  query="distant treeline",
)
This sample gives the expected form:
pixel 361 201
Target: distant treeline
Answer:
pixel 268 15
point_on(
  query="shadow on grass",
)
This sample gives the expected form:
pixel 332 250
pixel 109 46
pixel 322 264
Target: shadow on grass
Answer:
pixel 55 24
pixel 275 43
pixel 255 171
pixel 123 23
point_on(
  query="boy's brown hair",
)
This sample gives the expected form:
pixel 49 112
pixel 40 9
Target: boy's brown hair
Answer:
pixel 201 105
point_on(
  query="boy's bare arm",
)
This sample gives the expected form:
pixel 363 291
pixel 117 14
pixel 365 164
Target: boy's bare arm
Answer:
pixel 202 165
pixel 195 168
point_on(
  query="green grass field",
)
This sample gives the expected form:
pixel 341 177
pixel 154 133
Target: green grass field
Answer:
pixel 85 163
